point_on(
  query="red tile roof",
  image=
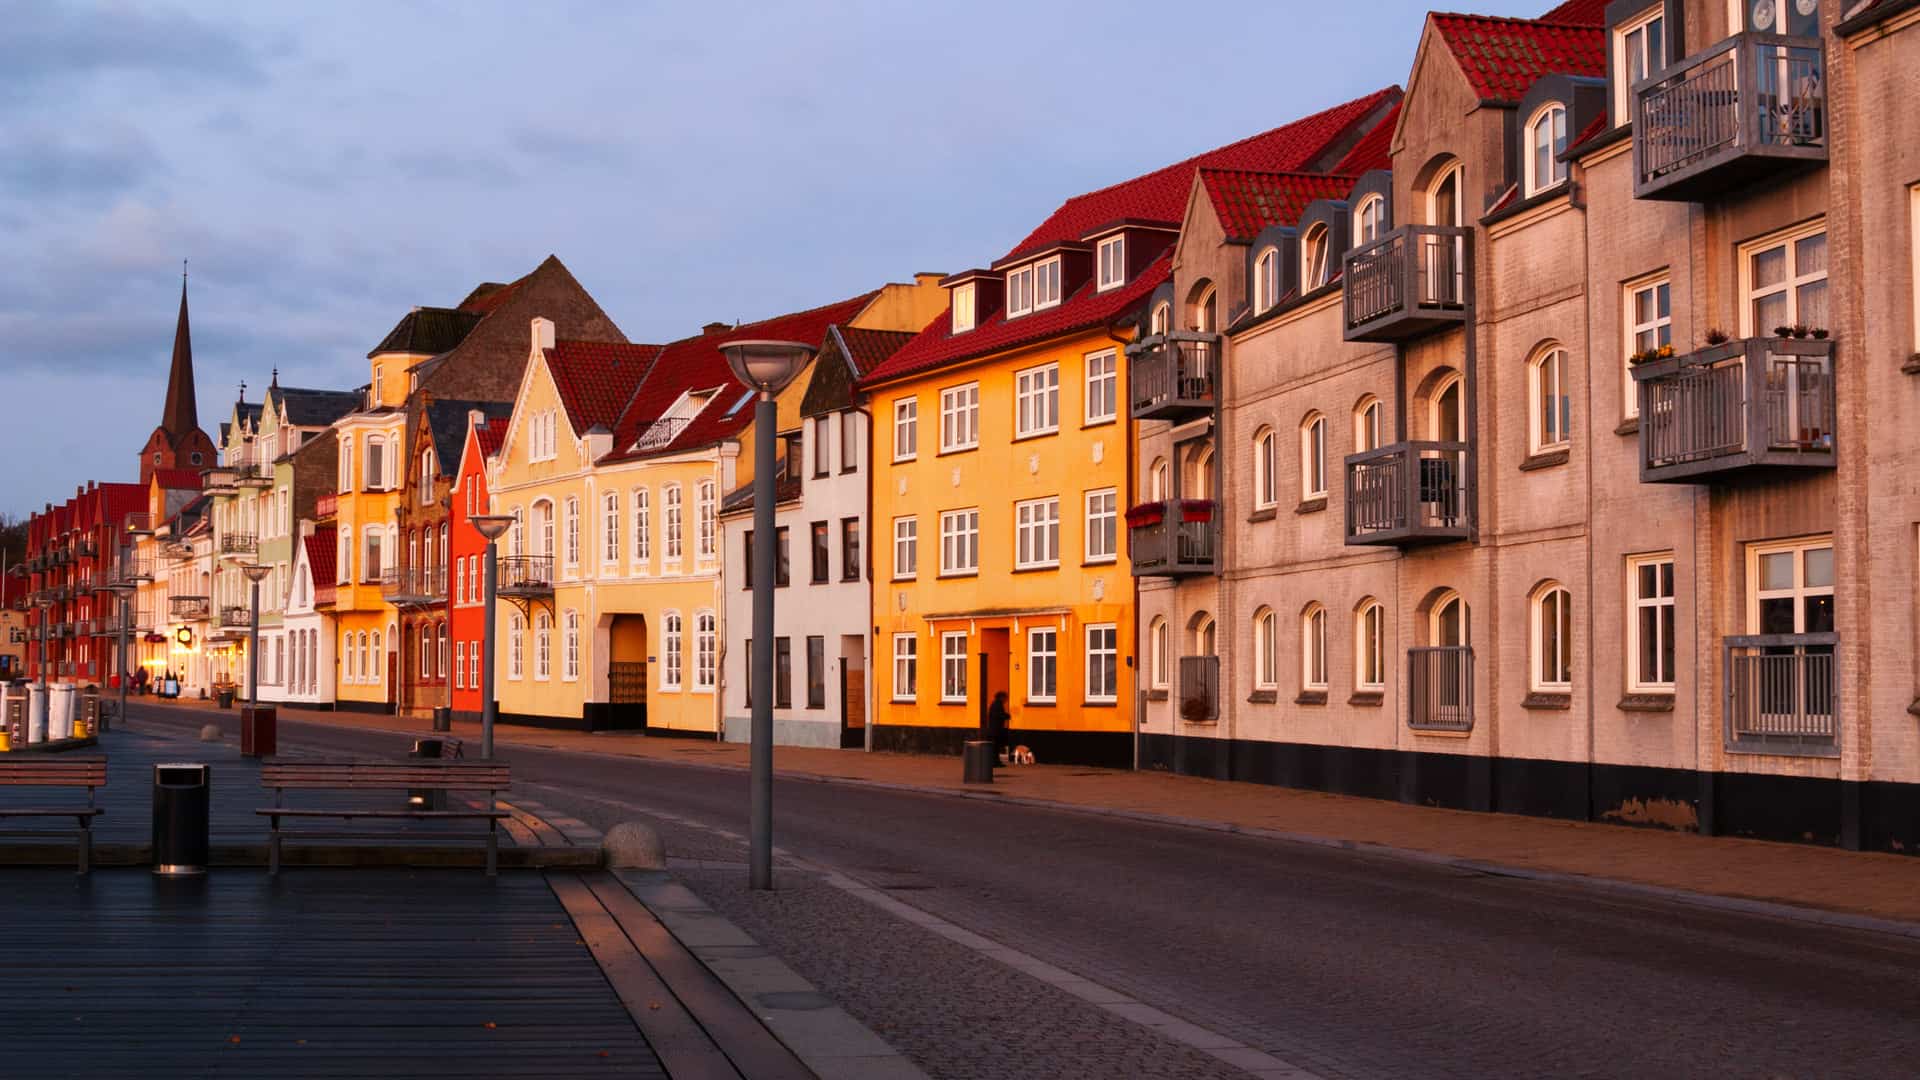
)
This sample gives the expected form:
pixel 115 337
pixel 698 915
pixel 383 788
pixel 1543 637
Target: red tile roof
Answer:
pixel 1375 148
pixel 697 363
pixel 1587 134
pixel 178 479
pixel 492 434
pixel 1579 13
pixel 1250 201
pixel 321 555
pixel 489 295
pixel 595 379
pixel 1161 195
pixel 868 349
pixel 1502 58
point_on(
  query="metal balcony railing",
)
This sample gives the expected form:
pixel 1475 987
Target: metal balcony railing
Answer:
pixel 253 474
pixel 1410 493
pixel 238 543
pixel 1413 281
pixel 1781 694
pixel 1440 688
pixel 189 608
pixel 85 547
pixel 660 432
pixel 414 585
pixel 139 524
pixel 1752 105
pixel 1199 689
pixel 1753 403
pixel 525 575
pixel 1173 376
pixel 1174 538
pixel 233 616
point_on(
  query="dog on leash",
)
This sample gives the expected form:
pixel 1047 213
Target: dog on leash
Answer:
pixel 1022 756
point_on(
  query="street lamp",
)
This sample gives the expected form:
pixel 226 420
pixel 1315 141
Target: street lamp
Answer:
pixel 124 590
pixel 490 526
pixel 256 573
pixel 765 367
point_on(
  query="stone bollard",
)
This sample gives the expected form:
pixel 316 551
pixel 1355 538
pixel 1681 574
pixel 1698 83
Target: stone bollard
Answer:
pixel 634 845
pixel 210 733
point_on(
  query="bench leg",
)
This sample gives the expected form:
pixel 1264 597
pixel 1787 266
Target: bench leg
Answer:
pixel 273 852
pixel 86 845
pixel 493 847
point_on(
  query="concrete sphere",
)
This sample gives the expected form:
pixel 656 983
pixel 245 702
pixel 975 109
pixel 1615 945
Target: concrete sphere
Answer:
pixel 210 733
pixel 634 845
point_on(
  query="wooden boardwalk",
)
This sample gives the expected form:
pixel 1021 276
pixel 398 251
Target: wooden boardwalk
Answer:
pixel 388 973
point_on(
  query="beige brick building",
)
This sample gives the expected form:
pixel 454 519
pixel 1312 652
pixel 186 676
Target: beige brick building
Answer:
pixel 1555 461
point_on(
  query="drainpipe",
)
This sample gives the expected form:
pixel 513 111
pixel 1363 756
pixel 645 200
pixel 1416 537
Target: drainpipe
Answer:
pixel 1125 500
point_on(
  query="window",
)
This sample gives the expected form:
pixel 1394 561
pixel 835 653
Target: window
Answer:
pixel 371 565
pixel 1266 649
pixel 961 308
pixel 572 533
pixel 610 527
pixel 1313 457
pixel 822 450
pixel 1157 480
pixel 1043 664
pixel 1370 647
pixel 426 651
pixel 1552 638
pixel 516 652
pixel 783 673
pixel 1103 663
pixel 849 441
pixel 1020 292
pixel 1266 487
pixel 570 646
pixel 1790 588
pixel 953 668
pixel 1785 281
pixel 1159 645
pixel 1160 319
pixel 1037 401
pixel 542 646
pixel 1046 284
pixel 670 496
pixel 906 429
pixel 1036 533
pixel 460 666
pixel 1103 386
pixel 816 672
pixel 960 542
pixel 706 648
pixel 704 523
pixel 1650 626
pixel 960 418
pixel 1103 525
pixel 850 549
pixel 642 527
pixel 822 556
pixel 426 479
pixel 375 464
pixel 782 564
pixel 1649 326
pixel 1551 414
pixel 1546 138
pixel 1366 425
pixel 746 559
pixel 543 528
pixel 345 556
pixel 1315 259
pixel 1111 254
pixel 670 651
pixel 1639 50
pixel 906 667
pixel 906 547
pixel 1313 648
pixel 1266 279
pixel 1369 220
pixel 516 536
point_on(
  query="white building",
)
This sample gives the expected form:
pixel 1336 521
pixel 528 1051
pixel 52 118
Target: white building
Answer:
pixel 309 629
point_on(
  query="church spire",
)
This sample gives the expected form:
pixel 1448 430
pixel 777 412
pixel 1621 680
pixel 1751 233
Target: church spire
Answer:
pixel 181 415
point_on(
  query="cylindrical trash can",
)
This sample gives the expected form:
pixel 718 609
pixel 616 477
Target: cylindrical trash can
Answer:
pixel 442 718
pixel 13 718
pixel 259 731
pixel 977 762
pixel 427 798
pixel 60 712
pixel 36 714
pixel 180 805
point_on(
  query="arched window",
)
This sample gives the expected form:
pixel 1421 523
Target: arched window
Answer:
pixel 1445 205
pixel 1158 322
pixel 1266 649
pixel 610 528
pixel 344 572
pixel 346 654
pixel 1157 481
pixel 1313 648
pixel 516 647
pixel 642 547
pixel 517 536
pixel 1369 220
pixel 440 652
pixel 1366 424
pixel 1158 645
pixel 1550 416
pixel 1199 479
pixel 1313 457
pixel 1266 488
pixel 1266 279
pixel 705 650
pixel 1202 314
pixel 670 501
pixel 1552 614
pixel 1447 409
pixel 670 651
pixel 704 522
pixel 426 478
pixel 570 645
pixel 426 652
pixel 572 533
pixel 1203 635
pixel 366 669
pixel 1370 646
pixel 1449 623
pixel 1443 265
pixel 1546 138
pixel 1316 259
pixel 542 646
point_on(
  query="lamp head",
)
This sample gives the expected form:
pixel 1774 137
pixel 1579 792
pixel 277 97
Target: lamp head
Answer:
pixel 255 572
pixel 122 589
pixel 767 366
pixel 491 526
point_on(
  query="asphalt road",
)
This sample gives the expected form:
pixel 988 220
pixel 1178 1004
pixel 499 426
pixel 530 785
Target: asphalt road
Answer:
pixel 1341 964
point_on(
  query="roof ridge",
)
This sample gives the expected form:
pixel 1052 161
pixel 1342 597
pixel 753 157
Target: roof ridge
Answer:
pixel 1519 19
pixel 1302 173
pixel 868 295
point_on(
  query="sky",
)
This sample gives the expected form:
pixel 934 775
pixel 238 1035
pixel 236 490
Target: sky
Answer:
pixel 325 168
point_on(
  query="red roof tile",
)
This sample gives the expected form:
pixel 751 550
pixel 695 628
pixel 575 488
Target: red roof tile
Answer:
pixel 1502 58
pixel 492 434
pixel 595 379
pixel 1587 134
pixel 1375 148
pixel 697 363
pixel 1579 13
pixel 868 349
pixel 1250 201
pixel 178 479
pixel 321 555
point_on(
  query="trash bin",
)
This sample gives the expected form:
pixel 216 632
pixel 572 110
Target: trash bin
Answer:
pixel 977 761
pixel 13 717
pixel 180 794
pixel 225 697
pixel 259 730
pixel 427 798
pixel 442 718
pixel 36 714
pixel 60 712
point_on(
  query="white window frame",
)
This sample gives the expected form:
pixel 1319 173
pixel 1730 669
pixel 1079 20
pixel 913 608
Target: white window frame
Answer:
pixel 1266 462
pixel 1046 284
pixel 1370 646
pixel 1313 648
pixel 1652 60
pixel 1102 386
pixel 570 537
pixel 906 547
pixel 672 641
pixel 1036 397
pixel 1102 656
pixel 1547 673
pixel 960 536
pixel 706 652
pixel 1159 646
pixel 1019 292
pixel 1553 117
pixel 1369 220
pixel 542 647
pixel 641 550
pixel 706 525
pixel 1266 279
pixel 1799 591
pixel 1316 257
pixel 960 418
pixel 1656 331
pixel 1790 285
pixel 1313 457
pixel 1103 525
pixel 1366 424
pixel 953 667
pixel 1110 259
pixel 906 667
pixel 610 528
pixel 1665 626
pixel 1547 375
pixel 1266 649
pixel 516 647
pixel 670 501
pixel 906 428
pixel 570 646
pixel 1036 533
pixel 962 307
pixel 1043 658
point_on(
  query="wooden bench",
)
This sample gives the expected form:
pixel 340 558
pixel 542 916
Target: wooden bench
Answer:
pixel 89 773
pixel 284 776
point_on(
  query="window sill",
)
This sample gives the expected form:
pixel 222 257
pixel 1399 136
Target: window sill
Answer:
pixel 1265 513
pixel 1628 426
pixel 1156 695
pixel 1311 697
pixel 849 580
pixel 904 701
pixel 1105 560
pixel 1036 703
pixel 905 460
pixel 1100 704
pixel 1648 703
pixel 1264 697
pixel 949 703
pixel 909 577
pixel 952 450
pixel 1103 422
pixel 1032 435
pixel 1547 700
pixel 1546 459
pixel 1369 698
pixel 959 574
pixel 1311 506
pixel 1036 569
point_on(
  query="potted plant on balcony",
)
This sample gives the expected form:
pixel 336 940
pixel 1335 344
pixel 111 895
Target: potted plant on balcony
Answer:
pixel 1783 331
pixel 1717 336
pixel 1196 509
pixel 1146 515
pixel 1819 333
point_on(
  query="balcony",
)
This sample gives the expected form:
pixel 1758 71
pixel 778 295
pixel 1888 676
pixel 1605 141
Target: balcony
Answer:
pixel 1173 376
pixel 1199 689
pixel 139 525
pixel 525 576
pixel 253 475
pixel 238 543
pixel 1416 280
pixel 1745 406
pixel 1410 493
pixel 1175 538
pixel 326 506
pixel 660 432
pixel 1440 688
pixel 189 608
pixel 134 568
pixel 1781 695
pixel 177 551
pixel 1752 107
pixel 235 617
pixel 414 586
pixel 86 548
pixel 219 480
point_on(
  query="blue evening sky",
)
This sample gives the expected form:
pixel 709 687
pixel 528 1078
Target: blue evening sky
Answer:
pixel 326 167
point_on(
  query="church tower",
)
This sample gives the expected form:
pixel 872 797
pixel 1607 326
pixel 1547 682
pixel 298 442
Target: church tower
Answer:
pixel 178 443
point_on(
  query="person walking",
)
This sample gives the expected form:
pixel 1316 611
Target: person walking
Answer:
pixel 999 720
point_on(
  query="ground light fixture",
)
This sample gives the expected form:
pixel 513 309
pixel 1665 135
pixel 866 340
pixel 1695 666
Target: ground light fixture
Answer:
pixel 491 527
pixel 765 367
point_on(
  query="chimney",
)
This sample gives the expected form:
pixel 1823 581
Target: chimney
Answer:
pixel 928 277
pixel 715 328
pixel 542 333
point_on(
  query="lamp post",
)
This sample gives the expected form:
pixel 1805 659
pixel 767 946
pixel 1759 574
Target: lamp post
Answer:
pixel 256 573
pixel 765 367
pixel 46 627
pixel 124 590
pixel 490 526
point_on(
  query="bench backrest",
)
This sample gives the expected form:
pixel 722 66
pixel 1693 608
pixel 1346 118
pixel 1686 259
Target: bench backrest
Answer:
pixel 23 771
pixel 463 775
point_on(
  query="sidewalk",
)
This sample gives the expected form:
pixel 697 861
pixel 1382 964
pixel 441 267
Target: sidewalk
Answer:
pixel 1874 885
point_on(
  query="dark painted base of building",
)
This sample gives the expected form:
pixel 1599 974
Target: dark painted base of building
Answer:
pixel 371 708
pixel 1106 749
pixel 1878 816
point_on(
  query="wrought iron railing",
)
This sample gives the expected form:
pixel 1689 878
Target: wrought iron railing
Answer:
pixel 1419 271
pixel 1199 688
pixel 1173 371
pixel 1440 688
pixel 660 432
pixel 236 543
pixel 1758 399
pixel 1750 92
pixel 189 608
pixel 233 616
pixel 1409 489
pixel 1781 693
pixel 1175 536
pixel 525 574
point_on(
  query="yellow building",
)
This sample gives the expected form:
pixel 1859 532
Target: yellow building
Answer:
pixel 362 508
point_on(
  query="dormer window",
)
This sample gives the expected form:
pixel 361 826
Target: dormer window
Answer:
pixel 1031 288
pixel 1369 220
pixel 1112 257
pixel 1546 139
pixel 373 391
pixel 963 307
pixel 1639 50
pixel 1266 280
pixel 1315 258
